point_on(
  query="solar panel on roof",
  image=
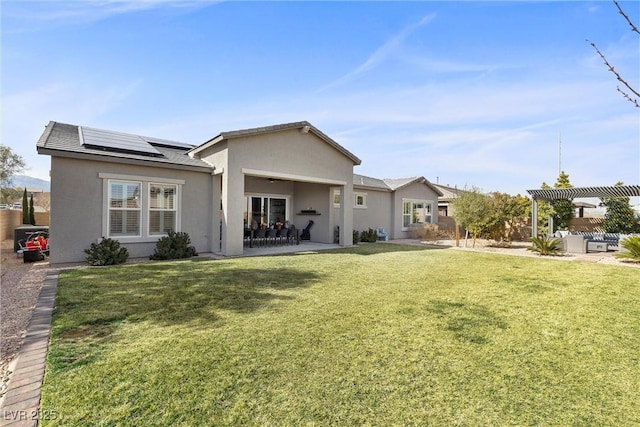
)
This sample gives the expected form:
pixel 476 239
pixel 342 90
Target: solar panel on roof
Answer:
pixel 116 141
pixel 167 143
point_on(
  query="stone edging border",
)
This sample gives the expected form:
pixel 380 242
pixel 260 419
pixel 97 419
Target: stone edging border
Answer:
pixel 21 403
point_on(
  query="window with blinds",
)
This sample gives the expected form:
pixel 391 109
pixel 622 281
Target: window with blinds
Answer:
pixel 124 208
pixel 162 208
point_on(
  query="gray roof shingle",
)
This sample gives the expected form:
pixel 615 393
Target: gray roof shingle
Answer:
pixel 391 184
pixel 61 139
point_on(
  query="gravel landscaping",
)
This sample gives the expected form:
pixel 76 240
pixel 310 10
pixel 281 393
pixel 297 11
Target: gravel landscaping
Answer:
pixel 20 286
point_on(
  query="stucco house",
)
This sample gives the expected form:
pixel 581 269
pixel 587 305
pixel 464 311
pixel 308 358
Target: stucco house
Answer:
pixel 135 189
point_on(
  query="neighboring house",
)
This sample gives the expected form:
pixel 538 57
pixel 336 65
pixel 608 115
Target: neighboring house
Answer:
pixel 393 204
pixel 444 201
pixel 135 189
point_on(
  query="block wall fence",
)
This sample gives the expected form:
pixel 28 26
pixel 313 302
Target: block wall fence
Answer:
pixel 11 218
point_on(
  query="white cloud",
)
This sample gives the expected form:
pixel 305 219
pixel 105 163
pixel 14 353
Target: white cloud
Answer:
pixel 24 17
pixel 380 55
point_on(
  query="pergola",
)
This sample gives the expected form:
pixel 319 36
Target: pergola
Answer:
pixel 552 194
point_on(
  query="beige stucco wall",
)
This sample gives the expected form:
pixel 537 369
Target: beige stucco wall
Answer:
pixel 309 165
pixel 378 212
pixel 419 191
pixel 78 205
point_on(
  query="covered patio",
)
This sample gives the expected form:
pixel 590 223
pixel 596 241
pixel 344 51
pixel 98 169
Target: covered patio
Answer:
pixel 555 194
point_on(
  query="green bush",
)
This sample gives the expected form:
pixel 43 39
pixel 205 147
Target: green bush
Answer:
pixel 369 235
pixel 174 246
pixel 546 245
pixel 356 237
pixel 107 252
pixel 632 246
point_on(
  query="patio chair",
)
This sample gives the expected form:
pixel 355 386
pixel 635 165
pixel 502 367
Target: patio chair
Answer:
pixel 294 235
pixel 306 233
pixel 282 236
pixel 271 236
pixel 248 237
pixel 259 236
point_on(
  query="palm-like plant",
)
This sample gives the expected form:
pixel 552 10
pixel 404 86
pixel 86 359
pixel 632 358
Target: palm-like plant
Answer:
pixel 632 246
pixel 546 245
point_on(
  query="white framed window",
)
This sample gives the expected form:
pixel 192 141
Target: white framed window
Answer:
pixel 415 212
pixel 360 200
pixel 162 208
pixel 124 209
pixel 140 208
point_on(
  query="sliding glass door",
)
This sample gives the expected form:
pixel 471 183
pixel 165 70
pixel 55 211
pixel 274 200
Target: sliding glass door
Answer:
pixel 266 211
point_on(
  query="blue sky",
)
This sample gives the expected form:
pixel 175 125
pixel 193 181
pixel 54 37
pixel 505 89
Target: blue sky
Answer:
pixel 463 93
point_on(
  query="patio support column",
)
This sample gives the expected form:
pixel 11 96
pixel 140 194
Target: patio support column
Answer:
pixel 346 215
pixel 232 210
pixel 534 218
pixel 216 182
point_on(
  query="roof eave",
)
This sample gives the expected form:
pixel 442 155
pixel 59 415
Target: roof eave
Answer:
pixel 210 143
pixel 420 180
pixel 121 160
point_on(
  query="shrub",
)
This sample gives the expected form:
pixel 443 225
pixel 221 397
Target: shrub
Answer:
pixel 632 246
pixel 107 252
pixel 369 235
pixel 174 246
pixel 546 245
pixel 356 237
pixel 426 232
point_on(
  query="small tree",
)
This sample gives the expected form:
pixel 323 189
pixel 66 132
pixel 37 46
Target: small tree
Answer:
pixel 43 200
pixel 506 213
pixel 32 212
pixel 10 164
pixel 563 210
pixel 620 217
pixel 25 208
pixel 471 210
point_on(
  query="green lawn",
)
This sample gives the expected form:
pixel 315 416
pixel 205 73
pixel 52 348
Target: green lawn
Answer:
pixel 375 335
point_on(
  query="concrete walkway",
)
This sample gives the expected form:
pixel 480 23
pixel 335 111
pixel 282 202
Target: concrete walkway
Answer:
pixel 20 404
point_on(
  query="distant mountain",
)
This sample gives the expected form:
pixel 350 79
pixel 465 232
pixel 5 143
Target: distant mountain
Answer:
pixel 24 181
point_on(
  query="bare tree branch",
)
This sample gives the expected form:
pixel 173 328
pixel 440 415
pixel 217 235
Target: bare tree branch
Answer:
pixel 633 27
pixel 627 95
pixel 619 77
